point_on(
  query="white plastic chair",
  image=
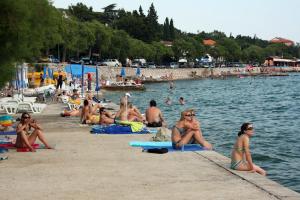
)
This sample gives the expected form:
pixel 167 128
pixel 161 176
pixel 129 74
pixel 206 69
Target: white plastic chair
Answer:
pixel 10 108
pixel 29 107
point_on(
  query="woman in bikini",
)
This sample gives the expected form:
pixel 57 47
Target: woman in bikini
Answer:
pixel 87 116
pixel 187 131
pixel 25 136
pixel 106 118
pixel 241 157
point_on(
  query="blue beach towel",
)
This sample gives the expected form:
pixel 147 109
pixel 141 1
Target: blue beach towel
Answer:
pixel 115 129
pixel 8 132
pixel 188 147
pixel 167 145
pixel 150 144
pixel 3 150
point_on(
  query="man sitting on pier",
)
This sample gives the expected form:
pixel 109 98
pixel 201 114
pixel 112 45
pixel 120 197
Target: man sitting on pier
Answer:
pixel 154 116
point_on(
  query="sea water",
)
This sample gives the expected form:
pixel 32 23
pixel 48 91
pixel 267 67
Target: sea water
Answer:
pixel 272 104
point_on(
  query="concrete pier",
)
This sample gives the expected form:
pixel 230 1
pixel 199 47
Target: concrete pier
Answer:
pixel 86 166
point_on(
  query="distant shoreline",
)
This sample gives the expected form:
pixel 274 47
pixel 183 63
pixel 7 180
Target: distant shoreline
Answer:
pixel 167 74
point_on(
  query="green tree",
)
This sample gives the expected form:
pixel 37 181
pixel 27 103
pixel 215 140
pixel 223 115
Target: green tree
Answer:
pixel 233 51
pixel 23 26
pixel 69 36
pixel 172 30
pixel 153 29
pixel 102 38
pixel 253 54
pixel 166 28
pixel 119 45
pixel 141 12
pixel 110 13
pixel 82 12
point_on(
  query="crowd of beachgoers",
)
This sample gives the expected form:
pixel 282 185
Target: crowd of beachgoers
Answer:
pixel 93 111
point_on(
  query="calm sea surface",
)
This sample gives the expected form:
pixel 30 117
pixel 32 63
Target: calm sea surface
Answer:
pixel 272 104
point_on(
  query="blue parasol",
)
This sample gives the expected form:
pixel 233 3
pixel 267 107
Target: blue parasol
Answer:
pixel 45 72
pixel 123 73
pixel 97 80
pixel 82 79
pixel 138 71
pixel 50 73
pixel 76 70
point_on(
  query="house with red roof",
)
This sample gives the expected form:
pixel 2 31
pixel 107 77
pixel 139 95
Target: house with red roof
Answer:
pixel 279 40
pixel 209 42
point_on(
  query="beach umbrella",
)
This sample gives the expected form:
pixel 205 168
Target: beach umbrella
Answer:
pixel 50 73
pixel 123 73
pixel 17 81
pixel 97 81
pixel 22 82
pixel 138 71
pixel 82 79
pixel 70 66
pixel 45 72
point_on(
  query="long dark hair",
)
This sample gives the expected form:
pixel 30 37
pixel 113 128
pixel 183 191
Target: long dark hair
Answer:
pixel 244 128
pixel 23 115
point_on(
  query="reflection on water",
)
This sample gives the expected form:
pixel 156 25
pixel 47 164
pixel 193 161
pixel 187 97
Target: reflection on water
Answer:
pixel 271 103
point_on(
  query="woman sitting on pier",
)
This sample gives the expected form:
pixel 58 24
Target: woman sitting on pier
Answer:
pixel 25 136
pixel 187 131
pixel 87 114
pixel 241 157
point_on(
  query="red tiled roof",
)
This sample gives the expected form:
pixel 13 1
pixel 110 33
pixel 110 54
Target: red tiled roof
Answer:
pixel 209 42
pixel 282 40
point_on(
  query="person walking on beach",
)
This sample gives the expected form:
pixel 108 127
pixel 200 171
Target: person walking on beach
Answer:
pixel 26 137
pixel 188 131
pixel 42 80
pixel 59 80
pixel 89 79
pixel 241 158
pixel 154 116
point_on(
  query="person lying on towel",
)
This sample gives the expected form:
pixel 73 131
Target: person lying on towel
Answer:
pixel 106 117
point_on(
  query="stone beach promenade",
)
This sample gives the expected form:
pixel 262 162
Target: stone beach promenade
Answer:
pixel 86 166
pixel 161 74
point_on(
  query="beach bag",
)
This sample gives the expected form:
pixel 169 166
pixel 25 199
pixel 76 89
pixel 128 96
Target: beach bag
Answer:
pixel 163 134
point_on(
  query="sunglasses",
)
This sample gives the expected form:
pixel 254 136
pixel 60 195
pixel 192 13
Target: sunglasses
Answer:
pixel 26 117
pixel 190 115
pixel 250 128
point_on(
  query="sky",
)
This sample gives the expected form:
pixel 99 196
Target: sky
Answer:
pixel 264 18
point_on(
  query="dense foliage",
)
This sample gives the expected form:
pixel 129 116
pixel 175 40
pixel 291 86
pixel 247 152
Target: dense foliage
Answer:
pixel 31 29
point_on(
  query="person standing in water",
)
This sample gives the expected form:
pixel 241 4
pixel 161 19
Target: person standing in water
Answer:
pixel 171 85
pixel 241 158
pixel 181 101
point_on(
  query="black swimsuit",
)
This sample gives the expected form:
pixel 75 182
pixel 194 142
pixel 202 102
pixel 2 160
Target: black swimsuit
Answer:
pixel 155 124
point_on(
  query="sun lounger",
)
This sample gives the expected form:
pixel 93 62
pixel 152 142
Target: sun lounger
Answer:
pixel 30 107
pixel 10 108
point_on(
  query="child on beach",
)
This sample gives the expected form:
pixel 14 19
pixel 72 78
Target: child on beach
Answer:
pixel 241 157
